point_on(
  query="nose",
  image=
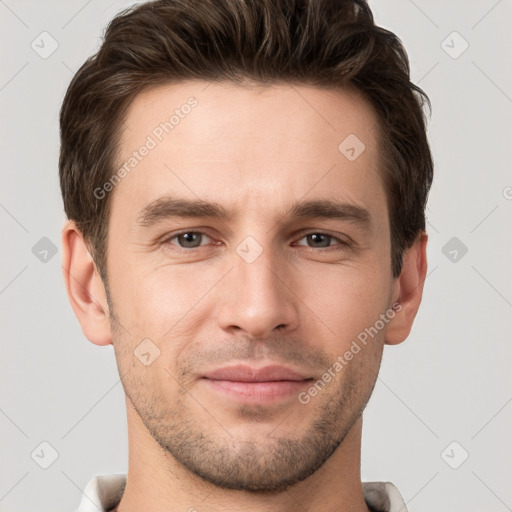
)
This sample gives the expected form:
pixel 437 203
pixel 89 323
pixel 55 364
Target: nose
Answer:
pixel 258 298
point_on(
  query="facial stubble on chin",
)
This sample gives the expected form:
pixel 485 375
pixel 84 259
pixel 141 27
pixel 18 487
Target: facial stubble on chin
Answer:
pixel 268 465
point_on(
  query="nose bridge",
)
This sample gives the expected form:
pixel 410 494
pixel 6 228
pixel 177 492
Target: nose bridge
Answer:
pixel 255 296
pixel 260 277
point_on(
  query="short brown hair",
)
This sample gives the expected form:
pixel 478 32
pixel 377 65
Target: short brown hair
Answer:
pixel 324 43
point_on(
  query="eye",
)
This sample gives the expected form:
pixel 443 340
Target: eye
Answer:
pixel 322 240
pixel 188 239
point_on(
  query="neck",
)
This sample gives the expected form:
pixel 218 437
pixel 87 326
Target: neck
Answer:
pixel 157 482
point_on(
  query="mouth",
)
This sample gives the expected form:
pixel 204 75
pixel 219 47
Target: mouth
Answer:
pixel 268 384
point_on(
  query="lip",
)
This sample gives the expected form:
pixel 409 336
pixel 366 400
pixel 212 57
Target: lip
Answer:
pixel 265 385
pixel 245 373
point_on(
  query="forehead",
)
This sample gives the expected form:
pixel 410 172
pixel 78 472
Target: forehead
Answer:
pixel 256 111
pixel 248 145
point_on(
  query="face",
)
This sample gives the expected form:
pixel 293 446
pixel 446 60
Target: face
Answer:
pixel 247 254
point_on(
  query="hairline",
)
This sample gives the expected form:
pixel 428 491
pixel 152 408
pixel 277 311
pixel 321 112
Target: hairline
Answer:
pixel 249 83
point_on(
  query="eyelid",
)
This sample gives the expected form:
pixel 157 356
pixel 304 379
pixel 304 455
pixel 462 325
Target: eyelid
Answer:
pixel 301 235
pixel 334 236
pixel 167 239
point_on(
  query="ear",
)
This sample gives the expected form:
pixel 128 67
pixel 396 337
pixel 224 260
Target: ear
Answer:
pixel 408 291
pixel 84 286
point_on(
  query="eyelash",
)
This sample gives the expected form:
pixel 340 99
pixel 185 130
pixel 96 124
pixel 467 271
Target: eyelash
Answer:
pixel 341 242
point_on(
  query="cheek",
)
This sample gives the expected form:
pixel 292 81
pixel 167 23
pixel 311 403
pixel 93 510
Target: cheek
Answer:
pixel 347 299
pixel 161 301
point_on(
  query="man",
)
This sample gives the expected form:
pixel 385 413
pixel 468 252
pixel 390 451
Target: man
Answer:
pixel 245 183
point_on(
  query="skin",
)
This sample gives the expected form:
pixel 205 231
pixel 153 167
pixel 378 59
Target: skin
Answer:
pixel 300 303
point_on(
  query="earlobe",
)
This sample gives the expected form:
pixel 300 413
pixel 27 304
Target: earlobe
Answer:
pixel 84 286
pixel 409 291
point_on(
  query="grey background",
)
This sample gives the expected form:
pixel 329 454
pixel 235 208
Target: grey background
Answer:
pixel 450 381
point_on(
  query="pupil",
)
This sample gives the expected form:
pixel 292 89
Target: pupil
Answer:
pixel 189 238
pixel 317 239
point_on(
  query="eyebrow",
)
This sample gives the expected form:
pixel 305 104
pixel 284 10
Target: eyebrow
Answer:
pixel 168 207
